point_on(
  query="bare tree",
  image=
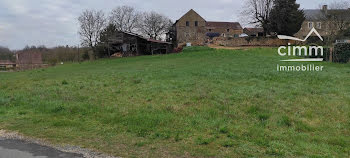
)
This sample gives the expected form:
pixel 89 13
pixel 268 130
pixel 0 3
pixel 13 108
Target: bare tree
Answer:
pixel 339 14
pixel 91 25
pixel 258 12
pixel 155 25
pixel 125 18
pixel 336 18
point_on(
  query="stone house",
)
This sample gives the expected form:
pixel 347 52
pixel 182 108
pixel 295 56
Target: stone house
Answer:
pixel 254 32
pixel 319 19
pixel 193 28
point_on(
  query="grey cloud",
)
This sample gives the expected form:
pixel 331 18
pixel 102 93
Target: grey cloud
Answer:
pixel 54 22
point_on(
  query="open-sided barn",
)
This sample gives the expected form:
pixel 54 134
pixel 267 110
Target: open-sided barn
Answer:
pixel 130 44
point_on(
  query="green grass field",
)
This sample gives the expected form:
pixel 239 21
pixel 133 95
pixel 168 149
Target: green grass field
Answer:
pixel 200 103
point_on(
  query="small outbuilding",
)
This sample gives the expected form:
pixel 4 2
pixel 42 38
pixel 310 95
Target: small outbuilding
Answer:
pixel 7 64
pixel 130 44
pixel 254 32
pixel 29 59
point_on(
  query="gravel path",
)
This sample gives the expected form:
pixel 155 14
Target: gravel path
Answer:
pixel 14 145
pixel 10 148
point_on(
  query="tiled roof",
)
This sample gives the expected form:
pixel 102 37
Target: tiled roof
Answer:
pixel 314 14
pixel 253 30
pixel 318 14
pixel 231 25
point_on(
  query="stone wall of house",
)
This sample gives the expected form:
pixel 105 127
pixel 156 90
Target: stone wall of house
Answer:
pixel 191 34
pixel 305 30
pixel 250 41
pixel 230 33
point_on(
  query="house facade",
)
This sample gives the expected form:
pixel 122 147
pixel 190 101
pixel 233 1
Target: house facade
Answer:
pixel 193 28
pixel 319 19
pixel 224 29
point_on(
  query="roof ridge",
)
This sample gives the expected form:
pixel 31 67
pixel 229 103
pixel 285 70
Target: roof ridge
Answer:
pixel 224 21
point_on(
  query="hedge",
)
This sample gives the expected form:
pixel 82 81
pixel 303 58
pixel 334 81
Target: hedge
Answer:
pixel 341 52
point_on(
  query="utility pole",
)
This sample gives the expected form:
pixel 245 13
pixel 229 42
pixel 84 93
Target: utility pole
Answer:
pixel 78 54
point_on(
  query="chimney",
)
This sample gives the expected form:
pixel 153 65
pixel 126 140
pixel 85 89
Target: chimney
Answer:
pixel 325 8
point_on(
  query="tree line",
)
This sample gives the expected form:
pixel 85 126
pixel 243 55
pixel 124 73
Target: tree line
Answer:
pixel 6 54
pixel 96 27
pixel 58 54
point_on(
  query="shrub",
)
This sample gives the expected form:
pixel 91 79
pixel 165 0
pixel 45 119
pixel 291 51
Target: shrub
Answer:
pixel 341 53
pixel 52 61
pixel 64 82
pixel 224 130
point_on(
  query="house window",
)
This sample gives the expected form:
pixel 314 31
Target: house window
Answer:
pixel 228 30
pixel 196 23
pixel 311 25
pixel 187 23
pixel 319 25
pixel 235 35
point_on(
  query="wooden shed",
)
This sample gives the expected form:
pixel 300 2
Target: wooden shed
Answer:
pixel 29 59
pixel 130 44
pixel 7 64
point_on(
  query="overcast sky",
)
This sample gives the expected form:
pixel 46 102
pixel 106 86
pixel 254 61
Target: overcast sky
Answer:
pixel 54 22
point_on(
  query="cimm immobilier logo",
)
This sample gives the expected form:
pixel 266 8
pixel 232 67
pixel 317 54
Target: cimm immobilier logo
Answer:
pixel 301 51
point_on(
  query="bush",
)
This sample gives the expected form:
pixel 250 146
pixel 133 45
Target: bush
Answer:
pixel 341 53
pixel 52 61
pixel 64 82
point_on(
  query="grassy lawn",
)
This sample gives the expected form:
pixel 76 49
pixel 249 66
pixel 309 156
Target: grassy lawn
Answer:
pixel 200 103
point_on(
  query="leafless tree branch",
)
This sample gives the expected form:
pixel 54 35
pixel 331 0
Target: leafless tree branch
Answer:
pixel 125 18
pixel 91 24
pixel 154 25
pixel 257 12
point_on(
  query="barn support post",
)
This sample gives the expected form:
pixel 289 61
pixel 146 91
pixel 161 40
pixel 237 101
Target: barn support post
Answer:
pixel 137 46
